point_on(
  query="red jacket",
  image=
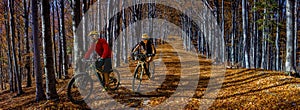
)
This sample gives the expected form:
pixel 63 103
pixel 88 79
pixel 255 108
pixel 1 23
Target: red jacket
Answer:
pixel 101 47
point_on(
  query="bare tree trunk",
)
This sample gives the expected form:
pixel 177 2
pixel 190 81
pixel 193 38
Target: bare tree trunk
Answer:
pixel 84 24
pixel 12 32
pixel 116 29
pixel 277 40
pixel 264 44
pixel 124 39
pixel 245 31
pixel 77 38
pixel 255 37
pixel 53 36
pixel 49 68
pixel 99 15
pixel 223 30
pixel 10 69
pixel 295 34
pixel 19 52
pixel 40 95
pixel 63 36
pixel 233 33
pixel 60 59
pixel 28 61
pixel 216 2
pixel 289 67
pixel 1 68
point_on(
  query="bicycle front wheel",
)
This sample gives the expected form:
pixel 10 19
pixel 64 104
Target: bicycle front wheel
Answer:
pixel 114 80
pixel 137 79
pixel 80 88
pixel 151 70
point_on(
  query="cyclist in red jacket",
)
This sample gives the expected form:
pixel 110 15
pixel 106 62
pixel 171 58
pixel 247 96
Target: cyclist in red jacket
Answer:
pixel 102 48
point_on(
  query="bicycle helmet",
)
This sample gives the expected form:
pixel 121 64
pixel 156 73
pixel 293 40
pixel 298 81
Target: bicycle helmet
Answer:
pixel 93 33
pixel 145 36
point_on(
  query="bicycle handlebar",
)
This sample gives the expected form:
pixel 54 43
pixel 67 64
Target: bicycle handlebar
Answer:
pixel 88 60
pixel 142 57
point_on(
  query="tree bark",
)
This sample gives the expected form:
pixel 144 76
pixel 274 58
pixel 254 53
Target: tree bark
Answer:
pixel 40 95
pixel 28 61
pixel 245 37
pixel 255 36
pixel 15 61
pixel 116 29
pixel 99 15
pixel 77 38
pixel 63 36
pixel 124 39
pixel 53 36
pixel 10 69
pixel 232 58
pixel 289 67
pixel 49 68
pixel 1 69
pixel 277 41
pixel 84 24
pixel 295 35
pixel 60 59
pixel 264 44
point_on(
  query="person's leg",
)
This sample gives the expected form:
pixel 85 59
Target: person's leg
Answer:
pixel 147 68
pixel 107 68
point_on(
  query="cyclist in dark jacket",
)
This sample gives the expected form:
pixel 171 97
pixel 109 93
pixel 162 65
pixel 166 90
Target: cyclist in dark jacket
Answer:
pixel 145 47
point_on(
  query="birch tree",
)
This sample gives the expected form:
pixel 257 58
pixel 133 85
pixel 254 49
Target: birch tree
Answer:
pixel 277 40
pixel 245 30
pixel 264 39
pixel 233 22
pixel 77 38
pixel 124 39
pixel 63 36
pixel 289 65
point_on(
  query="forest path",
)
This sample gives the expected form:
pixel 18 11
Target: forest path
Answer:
pixel 178 85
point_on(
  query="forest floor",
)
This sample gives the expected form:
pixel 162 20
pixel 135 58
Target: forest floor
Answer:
pixel 178 85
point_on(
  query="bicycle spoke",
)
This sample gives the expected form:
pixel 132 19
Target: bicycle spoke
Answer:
pixel 136 82
pixel 80 88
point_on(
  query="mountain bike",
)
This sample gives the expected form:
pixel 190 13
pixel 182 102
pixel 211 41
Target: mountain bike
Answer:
pixel 140 70
pixel 81 85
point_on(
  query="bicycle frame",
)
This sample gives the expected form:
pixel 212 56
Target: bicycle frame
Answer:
pixel 142 63
pixel 93 69
pixel 86 78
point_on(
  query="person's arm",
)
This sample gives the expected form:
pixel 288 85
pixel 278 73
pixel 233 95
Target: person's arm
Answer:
pixel 90 50
pixel 136 48
pixel 105 50
pixel 153 49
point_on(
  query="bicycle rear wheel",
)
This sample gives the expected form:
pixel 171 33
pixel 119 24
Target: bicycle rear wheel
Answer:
pixel 114 80
pixel 137 79
pixel 80 88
